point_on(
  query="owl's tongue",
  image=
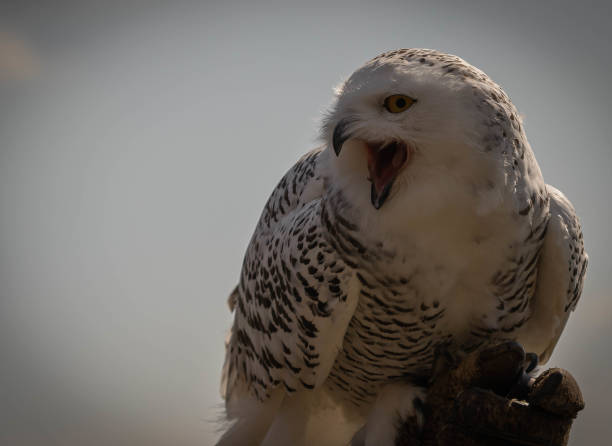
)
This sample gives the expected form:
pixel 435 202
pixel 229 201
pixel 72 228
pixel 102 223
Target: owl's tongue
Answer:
pixel 384 163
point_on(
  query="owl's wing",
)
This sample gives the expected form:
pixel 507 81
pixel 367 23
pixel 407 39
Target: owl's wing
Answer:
pixel 294 302
pixel 561 270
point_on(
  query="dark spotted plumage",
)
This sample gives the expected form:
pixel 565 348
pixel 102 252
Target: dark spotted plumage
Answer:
pixel 472 246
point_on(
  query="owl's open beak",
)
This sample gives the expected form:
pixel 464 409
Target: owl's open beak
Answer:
pixel 385 160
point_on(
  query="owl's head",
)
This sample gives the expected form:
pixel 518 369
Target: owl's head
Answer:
pixel 416 127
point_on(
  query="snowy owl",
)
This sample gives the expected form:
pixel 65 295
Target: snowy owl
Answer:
pixel 422 221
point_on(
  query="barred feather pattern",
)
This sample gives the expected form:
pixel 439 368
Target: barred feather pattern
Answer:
pixel 296 276
pixel 324 301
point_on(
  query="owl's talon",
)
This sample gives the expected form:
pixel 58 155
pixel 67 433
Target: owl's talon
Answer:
pixel 533 360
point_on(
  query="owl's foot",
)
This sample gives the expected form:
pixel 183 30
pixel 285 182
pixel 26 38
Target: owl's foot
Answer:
pixel 498 367
pixel 396 418
pixel 525 378
pixel 493 397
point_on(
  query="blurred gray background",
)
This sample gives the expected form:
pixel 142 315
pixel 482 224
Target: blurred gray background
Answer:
pixel 140 140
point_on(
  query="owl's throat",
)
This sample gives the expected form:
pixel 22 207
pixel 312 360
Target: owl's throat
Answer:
pixel 385 160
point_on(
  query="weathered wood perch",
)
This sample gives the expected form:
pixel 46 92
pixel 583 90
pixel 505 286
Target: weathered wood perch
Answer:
pixel 478 403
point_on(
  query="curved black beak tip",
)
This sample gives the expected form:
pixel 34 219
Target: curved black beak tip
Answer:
pixel 340 135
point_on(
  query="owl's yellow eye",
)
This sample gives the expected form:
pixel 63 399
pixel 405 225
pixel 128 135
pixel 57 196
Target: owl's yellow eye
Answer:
pixel 398 103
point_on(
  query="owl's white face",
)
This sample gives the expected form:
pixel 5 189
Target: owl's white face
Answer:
pixel 408 136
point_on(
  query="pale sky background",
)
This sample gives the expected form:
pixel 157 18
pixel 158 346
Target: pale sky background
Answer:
pixel 140 140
